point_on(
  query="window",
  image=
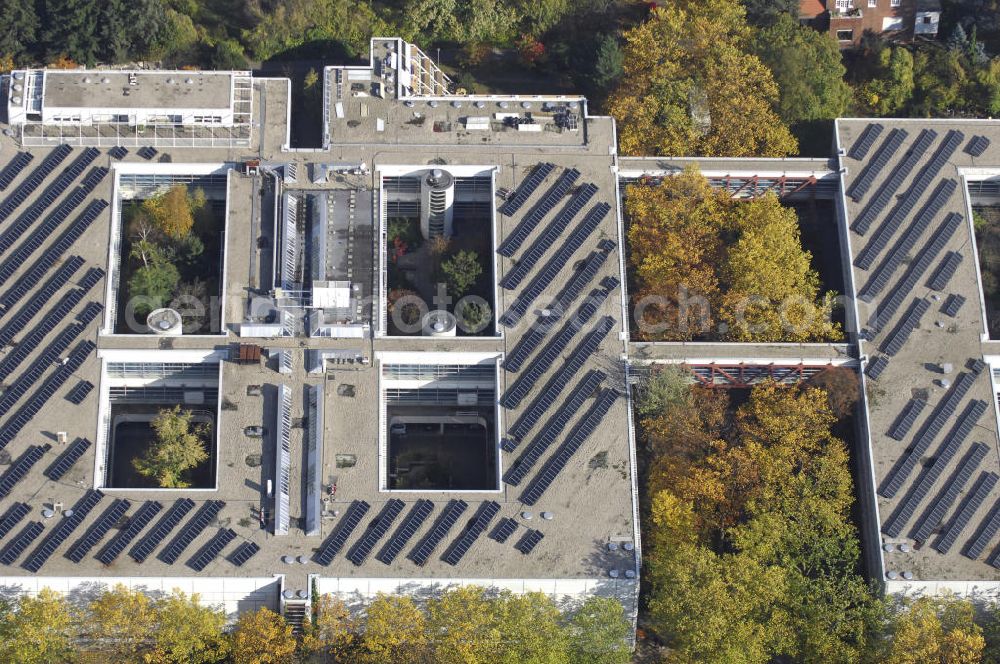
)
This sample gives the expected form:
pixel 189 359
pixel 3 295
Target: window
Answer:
pixel 844 4
pixel 927 20
pixel 894 3
pixel 872 3
pixel 845 35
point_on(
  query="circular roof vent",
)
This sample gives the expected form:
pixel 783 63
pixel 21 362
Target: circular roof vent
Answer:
pixel 612 546
pixel 630 574
pixel 613 573
pixel 189 81
pixel 432 104
pixel 904 547
pixel 105 80
pixel 456 104
pixel 525 104
pixel 891 575
pixel 170 81
pixel 167 322
pixel 479 104
pixel 86 79
pixel 503 104
pixel 908 576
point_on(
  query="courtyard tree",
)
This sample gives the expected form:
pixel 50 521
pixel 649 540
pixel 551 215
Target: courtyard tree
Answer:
pixel 178 447
pixel 772 292
pixel 121 624
pixel 674 234
pixel 172 211
pixel 262 637
pixel 154 283
pixel 751 553
pixel 37 629
pixel 691 86
pixel 461 272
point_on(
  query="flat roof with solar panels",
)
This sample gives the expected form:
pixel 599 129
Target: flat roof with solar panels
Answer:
pixel 932 502
pixel 341 451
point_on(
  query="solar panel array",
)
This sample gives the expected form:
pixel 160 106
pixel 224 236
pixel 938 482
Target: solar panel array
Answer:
pixel 452 511
pixel 34 181
pixel 14 168
pixel 550 354
pixel 487 512
pixel 887 308
pixel 977 146
pixel 984 534
pixel 527 188
pixel 549 237
pixel 145 547
pixel 952 305
pixel 951 493
pixel 48 292
pixel 243 553
pixel 907 418
pixel 592 265
pixel 880 201
pixel 556 263
pixel 505 528
pixel 921 222
pixel 118 152
pixel 895 341
pixel 411 523
pixel 20 468
pixel 562 377
pixel 14 516
pixel 54 191
pixel 529 541
pixel 537 213
pixel 190 531
pixel 379 526
pixel 63 530
pixel 136 524
pixel 865 141
pixel 566 451
pixel 945 409
pixel 33 339
pixel 922 182
pixel 147 152
pixel 49 357
pixel 65 241
pixel 66 460
pixel 958 523
pixel 876 367
pixel 21 541
pixel 885 151
pixel 212 549
pixel 348 523
pixel 945 271
pixel 553 428
pixel 79 392
pixel 973 412
pixel 35 403
pixel 57 216
pixel 102 525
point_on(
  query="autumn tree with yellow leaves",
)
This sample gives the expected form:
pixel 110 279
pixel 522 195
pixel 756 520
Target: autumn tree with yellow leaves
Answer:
pixel 749 548
pixel 692 86
pixel 710 266
pixel 262 637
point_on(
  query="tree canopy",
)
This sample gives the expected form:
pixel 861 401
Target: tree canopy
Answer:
pixel 702 258
pixel 807 68
pixel 750 552
pixel 692 87
pixel 177 448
